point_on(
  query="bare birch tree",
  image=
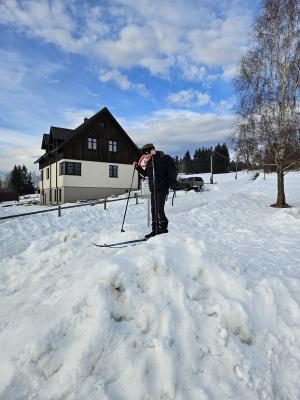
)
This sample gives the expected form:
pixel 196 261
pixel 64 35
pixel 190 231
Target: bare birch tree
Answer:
pixel 268 89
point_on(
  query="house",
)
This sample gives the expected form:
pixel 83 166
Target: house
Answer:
pixel 90 162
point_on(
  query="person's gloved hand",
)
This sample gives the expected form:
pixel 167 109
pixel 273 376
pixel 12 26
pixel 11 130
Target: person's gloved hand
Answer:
pixel 134 164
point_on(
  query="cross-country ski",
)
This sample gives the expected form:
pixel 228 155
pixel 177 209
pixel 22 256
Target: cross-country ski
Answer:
pixel 122 244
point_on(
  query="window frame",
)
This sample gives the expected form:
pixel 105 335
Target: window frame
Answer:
pixel 113 146
pixel 113 171
pixel 92 143
pixel 69 168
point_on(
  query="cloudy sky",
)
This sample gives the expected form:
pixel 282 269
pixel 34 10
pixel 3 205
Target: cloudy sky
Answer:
pixel 162 67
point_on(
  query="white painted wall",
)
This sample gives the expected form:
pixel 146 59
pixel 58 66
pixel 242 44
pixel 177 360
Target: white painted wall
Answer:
pixel 93 174
pixel 46 182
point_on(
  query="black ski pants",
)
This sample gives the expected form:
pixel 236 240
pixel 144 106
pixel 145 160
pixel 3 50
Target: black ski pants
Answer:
pixel 160 218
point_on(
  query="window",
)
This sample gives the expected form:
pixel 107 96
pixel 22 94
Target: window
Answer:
pixel 92 143
pixel 69 168
pixel 50 195
pixel 102 124
pixel 59 195
pixel 42 175
pixel 47 173
pixel 55 195
pixel 77 168
pixel 113 146
pixel 113 171
pixel 62 168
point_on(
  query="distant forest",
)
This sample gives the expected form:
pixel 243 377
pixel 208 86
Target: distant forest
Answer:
pixel 200 162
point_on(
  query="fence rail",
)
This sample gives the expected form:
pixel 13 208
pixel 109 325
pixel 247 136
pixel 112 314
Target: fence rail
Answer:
pixel 60 208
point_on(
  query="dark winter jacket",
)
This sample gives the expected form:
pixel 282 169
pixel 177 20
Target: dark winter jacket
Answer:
pixel 160 171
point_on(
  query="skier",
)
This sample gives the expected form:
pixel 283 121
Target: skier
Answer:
pixel 161 172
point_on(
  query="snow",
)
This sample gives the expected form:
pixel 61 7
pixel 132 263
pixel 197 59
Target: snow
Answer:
pixel 209 311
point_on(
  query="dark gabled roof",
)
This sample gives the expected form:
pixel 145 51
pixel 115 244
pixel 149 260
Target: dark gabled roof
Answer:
pixel 65 135
pixel 61 133
pixel 78 130
pixel 45 141
pixel 41 158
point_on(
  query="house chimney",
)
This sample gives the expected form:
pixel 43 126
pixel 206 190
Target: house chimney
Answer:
pixel 85 119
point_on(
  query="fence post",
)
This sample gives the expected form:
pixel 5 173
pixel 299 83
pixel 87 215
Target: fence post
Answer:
pixel 104 203
pixel 59 211
pixel 136 198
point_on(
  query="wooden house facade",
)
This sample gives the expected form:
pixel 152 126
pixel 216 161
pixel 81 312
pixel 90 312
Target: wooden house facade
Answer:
pixel 90 162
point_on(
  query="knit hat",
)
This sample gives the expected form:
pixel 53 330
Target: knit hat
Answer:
pixel 147 148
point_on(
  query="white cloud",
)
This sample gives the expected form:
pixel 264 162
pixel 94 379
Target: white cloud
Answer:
pixel 18 148
pixel 230 71
pixel 10 137
pixel 12 71
pixel 175 130
pixel 75 117
pixel 122 81
pixel 224 106
pixel 192 35
pixel 188 98
pixel 16 71
pixel 191 72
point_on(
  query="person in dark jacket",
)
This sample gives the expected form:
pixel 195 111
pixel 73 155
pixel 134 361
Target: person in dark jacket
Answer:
pixel 156 171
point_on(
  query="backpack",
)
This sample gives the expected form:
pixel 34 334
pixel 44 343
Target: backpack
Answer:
pixel 171 171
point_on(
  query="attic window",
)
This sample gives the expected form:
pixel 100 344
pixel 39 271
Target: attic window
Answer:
pixel 113 146
pixel 92 143
pixel 102 124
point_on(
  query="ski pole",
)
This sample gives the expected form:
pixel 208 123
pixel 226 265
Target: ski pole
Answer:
pixel 129 191
pixel 174 193
pixel 154 194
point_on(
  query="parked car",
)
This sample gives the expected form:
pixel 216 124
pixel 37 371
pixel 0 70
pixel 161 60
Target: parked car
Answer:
pixel 191 183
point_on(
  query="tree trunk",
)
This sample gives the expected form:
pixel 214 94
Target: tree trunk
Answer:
pixel 280 203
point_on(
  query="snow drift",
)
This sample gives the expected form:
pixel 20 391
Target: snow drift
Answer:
pixel 209 311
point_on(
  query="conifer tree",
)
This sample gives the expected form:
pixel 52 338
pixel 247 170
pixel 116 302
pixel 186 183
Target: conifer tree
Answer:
pixel 19 180
pixel 186 161
pixel 221 158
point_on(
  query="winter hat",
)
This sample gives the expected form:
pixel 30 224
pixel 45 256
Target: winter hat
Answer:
pixel 147 148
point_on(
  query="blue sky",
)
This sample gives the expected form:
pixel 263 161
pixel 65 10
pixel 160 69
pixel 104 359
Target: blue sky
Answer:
pixel 163 68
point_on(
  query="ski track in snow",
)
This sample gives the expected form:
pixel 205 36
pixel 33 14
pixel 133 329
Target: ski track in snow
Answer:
pixel 209 311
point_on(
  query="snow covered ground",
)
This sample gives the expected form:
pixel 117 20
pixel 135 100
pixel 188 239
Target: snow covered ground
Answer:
pixel 209 311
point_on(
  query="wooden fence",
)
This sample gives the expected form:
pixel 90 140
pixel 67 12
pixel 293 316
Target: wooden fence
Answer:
pixel 60 208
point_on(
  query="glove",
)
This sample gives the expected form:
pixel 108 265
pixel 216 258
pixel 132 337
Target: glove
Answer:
pixel 134 164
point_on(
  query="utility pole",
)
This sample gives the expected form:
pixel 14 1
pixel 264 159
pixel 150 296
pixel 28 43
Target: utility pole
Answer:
pixel 211 168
